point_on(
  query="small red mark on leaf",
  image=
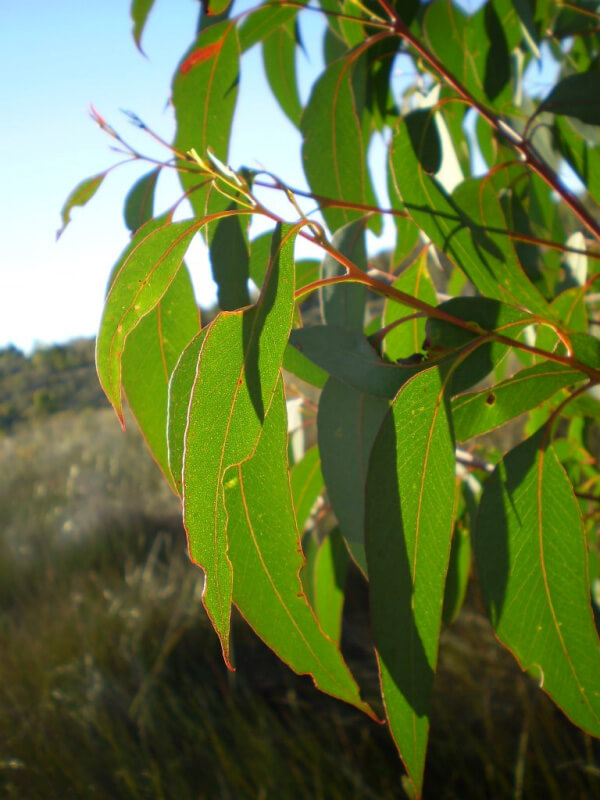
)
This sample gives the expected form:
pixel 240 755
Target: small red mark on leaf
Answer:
pixel 200 55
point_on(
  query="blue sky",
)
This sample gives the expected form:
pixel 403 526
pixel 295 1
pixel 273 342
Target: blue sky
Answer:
pixel 57 58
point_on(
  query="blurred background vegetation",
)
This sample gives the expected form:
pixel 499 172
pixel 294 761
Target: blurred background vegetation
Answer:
pixel 111 681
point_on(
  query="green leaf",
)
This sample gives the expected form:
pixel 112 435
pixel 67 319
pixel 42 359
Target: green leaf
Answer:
pixel 230 262
pixel 347 424
pixel 80 195
pixel 140 201
pixel 468 227
pixel 151 352
pixel 180 390
pixel 474 49
pixel 306 481
pixel 266 555
pixel 237 373
pixel 279 58
pixel 263 21
pixel 409 519
pixel 480 412
pixel 531 560
pixel 581 153
pixel 586 349
pixel 298 365
pixel 329 581
pixel 347 355
pixel 344 304
pixel 140 10
pixel 142 275
pixel 334 149
pixel 459 568
pixel 576 96
pixel 204 96
pixel 407 338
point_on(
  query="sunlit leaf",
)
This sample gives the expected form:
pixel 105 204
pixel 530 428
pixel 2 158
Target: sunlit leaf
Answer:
pixel 140 11
pixel 409 518
pixel 531 561
pixel 306 481
pixel 267 556
pixel 329 581
pixel 237 372
pixel 142 275
pixel 80 195
pixel 483 411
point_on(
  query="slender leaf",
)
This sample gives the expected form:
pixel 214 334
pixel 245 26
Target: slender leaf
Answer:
pixel 230 262
pixel 236 376
pixel 409 518
pixel 80 195
pixel 151 352
pixel 267 556
pixel 329 581
pixel 142 275
pixel 531 559
pixel 140 201
pixel 468 227
pixel 279 58
pixel 344 305
pixel 348 422
pixel 299 365
pixel 480 412
pixel 263 21
pixel 306 480
pixel 140 11
pixel 334 149
pixel 407 338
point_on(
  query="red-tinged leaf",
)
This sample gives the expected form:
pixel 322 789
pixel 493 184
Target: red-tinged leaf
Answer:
pixel 215 7
pixel 80 195
pixel 141 277
pixel 140 201
pixel 348 422
pixel 531 559
pixel 151 352
pixel 409 518
pixel 204 97
pixel 306 480
pixel 235 378
pixel 334 149
pixel 140 11
pixel 408 337
pixel 266 554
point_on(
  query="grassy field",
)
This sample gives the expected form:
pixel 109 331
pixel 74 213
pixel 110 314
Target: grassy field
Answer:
pixel 112 684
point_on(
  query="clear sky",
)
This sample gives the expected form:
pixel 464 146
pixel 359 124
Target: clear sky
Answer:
pixel 58 57
pixel 55 59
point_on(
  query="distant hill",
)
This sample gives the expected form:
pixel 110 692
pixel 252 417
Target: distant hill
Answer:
pixel 55 378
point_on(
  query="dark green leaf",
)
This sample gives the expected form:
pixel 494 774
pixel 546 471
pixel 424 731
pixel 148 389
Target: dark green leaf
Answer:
pixel 263 21
pixel 531 561
pixel 230 263
pixel 298 365
pixel 279 58
pixel 329 581
pixel 576 96
pixel 348 422
pixel 343 305
pixel 409 520
pixel 140 201
pixel 267 556
pixel 581 153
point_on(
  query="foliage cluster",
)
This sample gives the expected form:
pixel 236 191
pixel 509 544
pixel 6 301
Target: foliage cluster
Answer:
pixel 412 485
